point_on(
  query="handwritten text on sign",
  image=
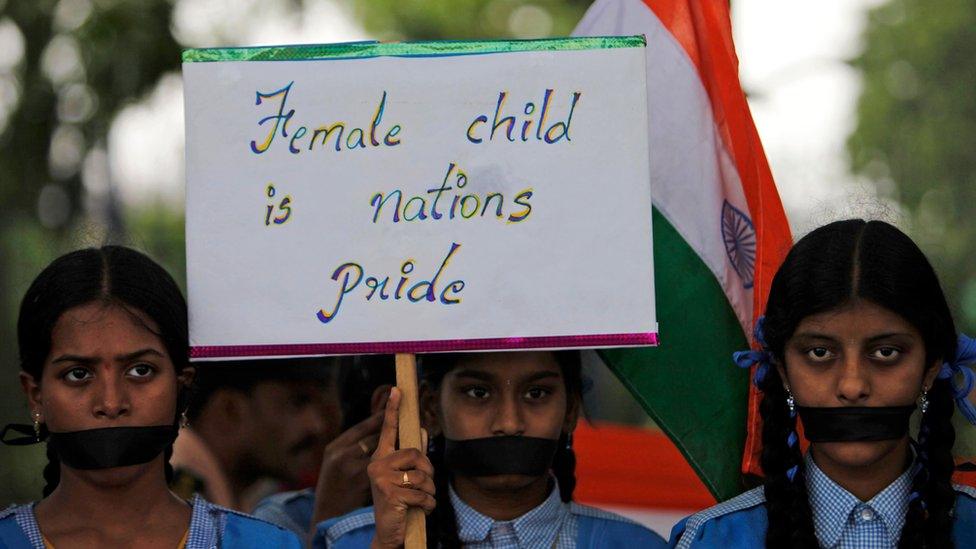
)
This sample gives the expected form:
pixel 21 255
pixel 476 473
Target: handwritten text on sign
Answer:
pixel 489 201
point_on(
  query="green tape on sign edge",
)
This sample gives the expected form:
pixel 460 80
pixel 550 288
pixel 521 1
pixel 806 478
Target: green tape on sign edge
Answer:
pixel 360 50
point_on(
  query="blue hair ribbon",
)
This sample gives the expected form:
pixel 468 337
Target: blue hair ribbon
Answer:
pixel 965 355
pixel 762 357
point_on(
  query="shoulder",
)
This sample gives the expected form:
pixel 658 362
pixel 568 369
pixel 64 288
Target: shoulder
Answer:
pixel 351 530
pixel 9 512
pixel 965 504
pixel 603 528
pixel 18 529
pixel 964 515
pixel 237 529
pixel 291 510
pixel 738 522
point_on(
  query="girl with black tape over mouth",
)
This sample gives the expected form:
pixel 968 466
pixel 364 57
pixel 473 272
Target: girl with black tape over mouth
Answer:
pixel 500 461
pixel 856 336
pixel 103 346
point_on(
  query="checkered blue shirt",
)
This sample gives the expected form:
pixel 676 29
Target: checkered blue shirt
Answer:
pixel 206 524
pixel 842 521
pixel 550 525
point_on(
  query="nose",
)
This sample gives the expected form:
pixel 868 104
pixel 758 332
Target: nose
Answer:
pixel 508 418
pixel 854 385
pixel 111 398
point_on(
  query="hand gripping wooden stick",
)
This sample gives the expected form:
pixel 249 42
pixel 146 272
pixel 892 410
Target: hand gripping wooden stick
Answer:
pixel 409 434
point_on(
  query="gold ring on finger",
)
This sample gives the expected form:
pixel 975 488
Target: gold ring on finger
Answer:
pixel 406 481
pixel 364 447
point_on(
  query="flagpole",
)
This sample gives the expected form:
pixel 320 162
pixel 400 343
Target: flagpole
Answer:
pixel 409 434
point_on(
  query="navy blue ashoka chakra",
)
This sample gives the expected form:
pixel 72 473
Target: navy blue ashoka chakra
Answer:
pixel 740 242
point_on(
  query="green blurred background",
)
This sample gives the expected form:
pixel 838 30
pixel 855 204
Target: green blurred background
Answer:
pixel 82 83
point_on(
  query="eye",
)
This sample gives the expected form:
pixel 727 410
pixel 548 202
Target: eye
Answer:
pixel 819 354
pixel 77 375
pixel 141 371
pixel 887 354
pixel 477 392
pixel 537 393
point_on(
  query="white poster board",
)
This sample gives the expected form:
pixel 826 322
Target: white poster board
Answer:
pixel 419 197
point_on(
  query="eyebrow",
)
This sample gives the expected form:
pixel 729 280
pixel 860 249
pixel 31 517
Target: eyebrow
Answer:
pixel 120 358
pixel 488 378
pixel 813 335
pixel 138 354
pixel 817 335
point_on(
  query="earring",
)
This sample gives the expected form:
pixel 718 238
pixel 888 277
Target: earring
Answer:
pixel 923 400
pixel 37 424
pixel 790 401
pixel 569 441
pixel 184 420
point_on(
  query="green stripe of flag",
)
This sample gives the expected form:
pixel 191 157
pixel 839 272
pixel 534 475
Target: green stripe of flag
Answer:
pixel 690 381
pixel 358 50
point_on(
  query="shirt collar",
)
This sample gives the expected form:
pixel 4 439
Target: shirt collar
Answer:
pixel 536 528
pixel 832 505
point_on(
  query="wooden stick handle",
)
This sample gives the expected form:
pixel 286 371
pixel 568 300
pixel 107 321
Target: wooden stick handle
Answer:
pixel 406 375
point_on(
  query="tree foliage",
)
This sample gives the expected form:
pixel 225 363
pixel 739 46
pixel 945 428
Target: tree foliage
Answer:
pixel 469 19
pixel 916 130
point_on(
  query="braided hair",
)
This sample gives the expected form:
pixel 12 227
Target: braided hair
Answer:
pixel 112 275
pixel 830 267
pixel 441 523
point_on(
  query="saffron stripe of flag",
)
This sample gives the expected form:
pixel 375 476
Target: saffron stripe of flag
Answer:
pixel 720 233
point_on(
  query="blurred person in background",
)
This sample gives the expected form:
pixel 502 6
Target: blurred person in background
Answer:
pixel 254 427
pixel 343 486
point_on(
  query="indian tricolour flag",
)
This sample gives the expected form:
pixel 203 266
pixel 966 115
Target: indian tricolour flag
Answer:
pixel 719 233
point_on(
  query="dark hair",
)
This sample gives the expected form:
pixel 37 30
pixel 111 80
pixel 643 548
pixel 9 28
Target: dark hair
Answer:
pixel 359 377
pixel 829 268
pixel 244 375
pixel 113 275
pixel 441 524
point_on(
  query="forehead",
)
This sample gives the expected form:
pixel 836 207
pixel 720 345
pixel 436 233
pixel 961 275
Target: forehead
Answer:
pixel 507 366
pixel 858 320
pixel 102 330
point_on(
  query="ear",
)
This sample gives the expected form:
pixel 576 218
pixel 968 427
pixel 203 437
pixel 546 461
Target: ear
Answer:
pixel 430 409
pixel 377 401
pixel 229 406
pixel 32 389
pixel 931 373
pixel 185 378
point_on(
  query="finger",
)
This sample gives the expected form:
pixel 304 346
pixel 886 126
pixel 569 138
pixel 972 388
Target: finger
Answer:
pixel 415 498
pixel 415 479
pixel 408 459
pixel 370 443
pixel 388 432
pixel 361 430
pixel 423 440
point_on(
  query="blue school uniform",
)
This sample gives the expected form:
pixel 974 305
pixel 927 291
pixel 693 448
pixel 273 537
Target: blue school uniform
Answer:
pixel 553 524
pixel 211 527
pixel 840 519
pixel 290 510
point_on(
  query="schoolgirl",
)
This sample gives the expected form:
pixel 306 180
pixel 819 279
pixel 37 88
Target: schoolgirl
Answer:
pixel 856 332
pixel 103 351
pixel 501 463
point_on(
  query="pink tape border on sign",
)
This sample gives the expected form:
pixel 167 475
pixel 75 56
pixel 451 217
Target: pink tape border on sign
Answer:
pixel 432 346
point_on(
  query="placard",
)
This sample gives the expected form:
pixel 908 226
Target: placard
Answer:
pixel 418 197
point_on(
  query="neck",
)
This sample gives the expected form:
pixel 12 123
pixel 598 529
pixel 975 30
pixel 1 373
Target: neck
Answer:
pixel 111 505
pixel 502 503
pixel 868 480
